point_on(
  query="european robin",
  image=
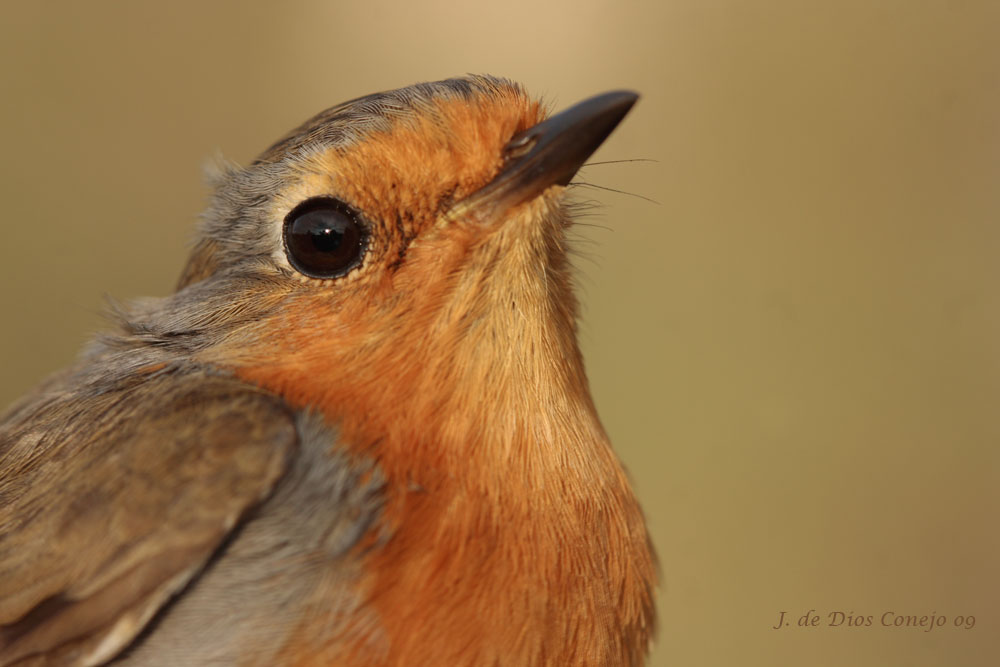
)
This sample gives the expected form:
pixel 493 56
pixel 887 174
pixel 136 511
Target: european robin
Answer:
pixel 359 433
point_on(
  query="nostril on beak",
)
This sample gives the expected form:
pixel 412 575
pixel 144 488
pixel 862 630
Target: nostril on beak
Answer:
pixel 520 145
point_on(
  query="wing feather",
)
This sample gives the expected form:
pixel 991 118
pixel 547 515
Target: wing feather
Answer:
pixel 110 502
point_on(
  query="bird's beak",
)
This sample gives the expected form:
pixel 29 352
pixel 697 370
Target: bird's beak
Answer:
pixel 547 154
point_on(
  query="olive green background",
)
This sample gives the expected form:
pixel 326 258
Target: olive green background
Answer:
pixel 795 349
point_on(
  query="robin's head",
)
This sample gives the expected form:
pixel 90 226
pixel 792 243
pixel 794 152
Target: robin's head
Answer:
pixel 413 228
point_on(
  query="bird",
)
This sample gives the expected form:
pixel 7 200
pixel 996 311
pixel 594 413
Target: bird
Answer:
pixel 359 432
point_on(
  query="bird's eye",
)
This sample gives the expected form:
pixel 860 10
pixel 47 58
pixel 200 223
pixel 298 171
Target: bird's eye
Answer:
pixel 324 238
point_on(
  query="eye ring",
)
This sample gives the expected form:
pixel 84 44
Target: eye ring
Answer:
pixel 324 238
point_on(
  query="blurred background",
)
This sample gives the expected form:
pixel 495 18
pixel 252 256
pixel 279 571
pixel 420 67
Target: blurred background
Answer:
pixel 795 349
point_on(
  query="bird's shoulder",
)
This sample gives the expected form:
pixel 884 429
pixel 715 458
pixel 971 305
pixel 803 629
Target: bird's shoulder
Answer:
pixel 117 493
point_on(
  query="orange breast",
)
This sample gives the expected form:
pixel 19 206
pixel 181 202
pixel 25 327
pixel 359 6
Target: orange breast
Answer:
pixel 480 565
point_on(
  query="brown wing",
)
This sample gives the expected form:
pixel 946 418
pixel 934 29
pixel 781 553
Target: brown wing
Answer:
pixel 112 500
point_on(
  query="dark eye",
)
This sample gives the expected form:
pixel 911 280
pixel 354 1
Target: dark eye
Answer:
pixel 324 238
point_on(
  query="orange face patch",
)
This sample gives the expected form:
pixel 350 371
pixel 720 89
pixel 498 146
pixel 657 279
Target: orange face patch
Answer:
pixel 404 178
pixel 432 159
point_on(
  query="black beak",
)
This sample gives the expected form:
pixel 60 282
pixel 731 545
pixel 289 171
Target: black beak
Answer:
pixel 551 152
